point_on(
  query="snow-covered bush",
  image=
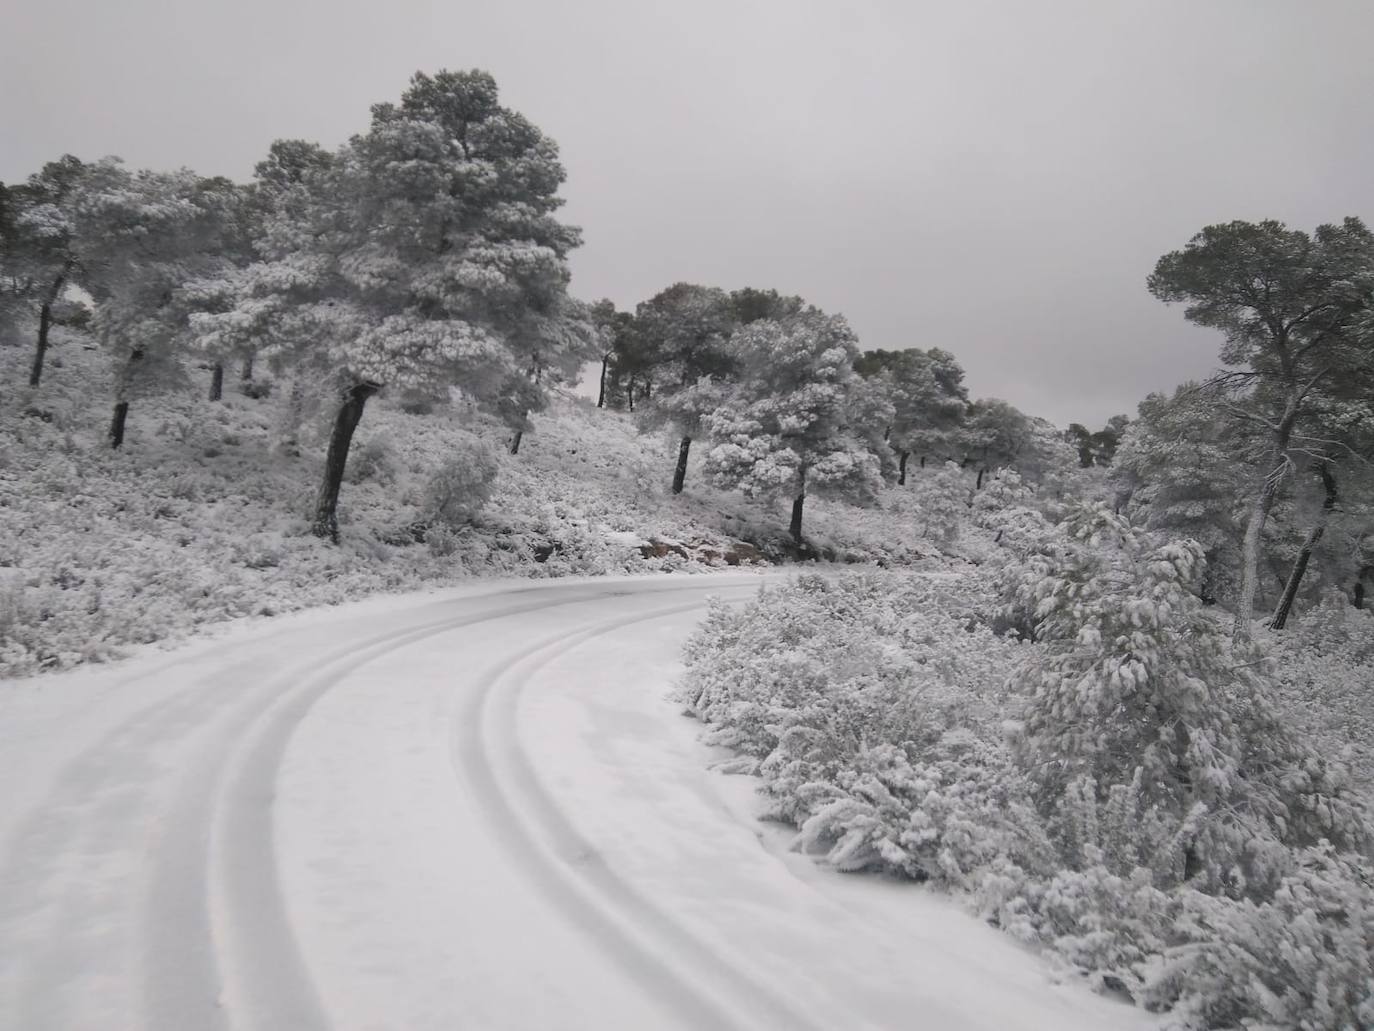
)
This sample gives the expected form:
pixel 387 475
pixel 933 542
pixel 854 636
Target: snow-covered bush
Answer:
pixel 1150 819
pixel 868 705
pixel 376 459
pixel 1139 685
pixel 1322 666
pixel 462 484
pixel 1302 958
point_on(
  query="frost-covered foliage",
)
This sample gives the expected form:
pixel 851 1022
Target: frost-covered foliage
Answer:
pixel 1323 664
pixel 1301 958
pixel 1138 689
pixel 1151 820
pixel 792 424
pixel 459 487
pixel 858 698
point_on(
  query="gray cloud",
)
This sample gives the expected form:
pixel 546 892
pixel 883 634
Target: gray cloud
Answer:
pixel 993 178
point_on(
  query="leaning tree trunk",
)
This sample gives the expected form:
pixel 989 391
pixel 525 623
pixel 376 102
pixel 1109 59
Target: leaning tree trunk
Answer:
pixel 515 442
pixel 217 382
pixel 40 352
pixel 795 527
pixel 326 521
pixel 982 471
pixel 1290 589
pixel 601 394
pixel 680 473
pixel 901 468
pixel 1254 527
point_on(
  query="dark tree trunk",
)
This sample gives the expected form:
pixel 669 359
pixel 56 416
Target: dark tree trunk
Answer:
pixel 901 468
pixel 515 442
pixel 40 352
pixel 121 413
pixel 247 372
pixel 795 527
pixel 923 461
pixel 217 382
pixel 1359 596
pixel 982 470
pixel 630 393
pixel 680 473
pixel 326 522
pixel 121 408
pixel 1290 589
pixel 601 394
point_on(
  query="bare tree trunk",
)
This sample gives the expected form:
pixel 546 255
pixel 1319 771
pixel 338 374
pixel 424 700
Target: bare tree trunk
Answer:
pixel 1290 589
pixel 1254 527
pixel 40 352
pixel 326 521
pixel 121 413
pixel 217 382
pixel 601 394
pixel 246 374
pixel 982 471
pixel 901 468
pixel 515 442
pixel 923 461
pixel 680 473
pixel 121 408
pixel 795 527
pixel 630 393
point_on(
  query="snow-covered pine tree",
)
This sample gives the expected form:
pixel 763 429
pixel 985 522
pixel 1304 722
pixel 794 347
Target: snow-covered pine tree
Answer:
pixel 799 419
pixel 414 258
pixel 687 328
pixel 993 435
pixel 139 237
pixel 1295 310
pixel 928 399
pixel 1140 704
pixel 38 248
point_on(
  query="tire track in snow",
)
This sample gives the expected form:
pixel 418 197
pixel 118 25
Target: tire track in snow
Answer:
pixel 571 871
pixel 277 990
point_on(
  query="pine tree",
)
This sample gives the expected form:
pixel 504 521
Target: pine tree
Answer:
pixel 424 252
pixel 792 424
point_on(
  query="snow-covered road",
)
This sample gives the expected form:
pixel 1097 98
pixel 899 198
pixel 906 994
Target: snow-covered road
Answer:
pixel 467 810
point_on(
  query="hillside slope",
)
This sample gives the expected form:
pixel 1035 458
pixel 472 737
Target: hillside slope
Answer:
pixel 202 515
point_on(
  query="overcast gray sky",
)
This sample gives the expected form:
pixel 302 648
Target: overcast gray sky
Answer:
pixel 995 178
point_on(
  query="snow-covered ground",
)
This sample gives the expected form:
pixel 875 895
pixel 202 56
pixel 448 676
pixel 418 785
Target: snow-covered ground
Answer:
pixel 474 808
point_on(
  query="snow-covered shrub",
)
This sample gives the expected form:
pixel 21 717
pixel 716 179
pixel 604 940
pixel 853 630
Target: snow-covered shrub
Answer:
pixel 868 704
pixel 1303 958
pixel 1138 685
pixel 462 484
pixel 376 460
pixel 944 813
pixel 942 502
pixel 1322 665
pixel 1106 925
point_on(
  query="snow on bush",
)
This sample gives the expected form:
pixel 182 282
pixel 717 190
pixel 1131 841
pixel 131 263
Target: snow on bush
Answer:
pixel 1150 818
pixel 1137 688
pixel 462 484
pixel 1323 664
pixel 866 703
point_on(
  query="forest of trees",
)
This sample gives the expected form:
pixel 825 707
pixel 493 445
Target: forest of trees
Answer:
pixel 425 255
